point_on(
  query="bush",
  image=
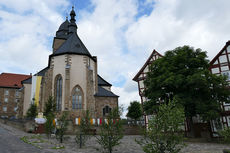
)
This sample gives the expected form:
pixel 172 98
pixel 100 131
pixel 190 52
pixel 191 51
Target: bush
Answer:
pixel 225 133
pixel 164 132
pixel 32 111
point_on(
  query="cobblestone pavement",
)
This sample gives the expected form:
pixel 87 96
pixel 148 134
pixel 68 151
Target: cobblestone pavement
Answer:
pixel 10 135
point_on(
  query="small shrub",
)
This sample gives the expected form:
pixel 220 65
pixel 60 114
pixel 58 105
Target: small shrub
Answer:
pixel 32 111
pixel 62 126
pixel 50 106
pixel 111 132
pixel 164 133
pixel 85 128
pixel 49 126
pixel 225 133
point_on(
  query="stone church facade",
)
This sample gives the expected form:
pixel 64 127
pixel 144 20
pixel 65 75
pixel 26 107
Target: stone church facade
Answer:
pixel 71 77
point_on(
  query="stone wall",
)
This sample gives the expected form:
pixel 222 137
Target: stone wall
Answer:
pixel 14 101
pixel 101 102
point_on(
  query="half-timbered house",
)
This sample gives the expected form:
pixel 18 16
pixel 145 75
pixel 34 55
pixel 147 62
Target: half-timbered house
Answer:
pixel 220 65
pixel 141 76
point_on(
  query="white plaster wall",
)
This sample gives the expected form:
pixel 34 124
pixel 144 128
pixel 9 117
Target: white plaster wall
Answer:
pixel 27 94
pixel 78 74
pixel 59 68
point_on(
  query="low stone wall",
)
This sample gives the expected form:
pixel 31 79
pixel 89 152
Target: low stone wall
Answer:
pixel 19 124
pixel 29 126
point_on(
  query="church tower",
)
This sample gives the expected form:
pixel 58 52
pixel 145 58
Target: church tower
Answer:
pixel 74 72
pixel 71 77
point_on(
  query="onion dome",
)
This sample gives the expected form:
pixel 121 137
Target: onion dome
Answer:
pixel 63 29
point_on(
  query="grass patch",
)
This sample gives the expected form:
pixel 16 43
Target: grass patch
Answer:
pixel 26 140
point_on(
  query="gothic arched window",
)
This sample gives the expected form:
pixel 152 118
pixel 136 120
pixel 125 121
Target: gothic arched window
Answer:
pixel 77 98
pixel 58 92
pixel 106 110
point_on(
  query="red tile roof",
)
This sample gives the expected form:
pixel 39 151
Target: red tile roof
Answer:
pixel 12 80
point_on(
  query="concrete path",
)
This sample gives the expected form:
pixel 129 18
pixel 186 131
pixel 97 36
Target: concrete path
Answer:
pixel 10 143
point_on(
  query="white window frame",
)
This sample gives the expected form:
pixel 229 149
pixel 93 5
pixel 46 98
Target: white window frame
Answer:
pixel 6 100
pixel 6 92
pixel 4 109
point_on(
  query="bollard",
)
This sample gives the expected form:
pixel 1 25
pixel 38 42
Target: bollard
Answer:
pixel 110 148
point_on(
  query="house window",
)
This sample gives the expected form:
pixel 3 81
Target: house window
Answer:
pixel 15 109
pixel 16 100
pixel 77 98
pixel 226 73
pixel 17 93
pixel 6 100
pixel 4 109
pixel 58 92
pixel 106 110
pixel 6 92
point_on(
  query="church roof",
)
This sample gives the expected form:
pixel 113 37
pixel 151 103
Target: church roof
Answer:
pixel 40 73
pixel 104 93
pixel 102 82
pixel 12 80
pixel 64 25
pixel 73 45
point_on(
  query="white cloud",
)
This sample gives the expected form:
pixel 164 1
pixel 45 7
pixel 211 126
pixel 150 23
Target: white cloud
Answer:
pixel 26 27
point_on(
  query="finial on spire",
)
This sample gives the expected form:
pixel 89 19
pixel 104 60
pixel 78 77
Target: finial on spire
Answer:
pixel 72 25
pixel 72 14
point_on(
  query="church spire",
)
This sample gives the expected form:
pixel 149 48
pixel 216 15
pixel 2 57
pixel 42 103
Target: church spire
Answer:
pixel 72 25
pixel 72 15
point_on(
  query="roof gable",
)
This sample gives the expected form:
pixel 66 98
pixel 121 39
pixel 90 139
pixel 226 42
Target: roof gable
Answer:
pixel 12 80
pixel 149 61
pixel 221 51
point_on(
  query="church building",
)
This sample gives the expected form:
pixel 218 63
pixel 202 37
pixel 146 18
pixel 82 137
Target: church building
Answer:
pixel 71 77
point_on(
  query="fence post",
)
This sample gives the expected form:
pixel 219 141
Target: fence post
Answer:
pixel 110 148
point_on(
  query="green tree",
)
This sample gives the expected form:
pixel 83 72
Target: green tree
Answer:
pixel 62 124
pixel 32 112
pixel 49 126
pixel 85 129
pixel 134 110
pixel 165 133
pixel 111 131
pixel 50 106
pixel 183 73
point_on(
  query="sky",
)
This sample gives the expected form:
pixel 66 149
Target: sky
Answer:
pixel 121 33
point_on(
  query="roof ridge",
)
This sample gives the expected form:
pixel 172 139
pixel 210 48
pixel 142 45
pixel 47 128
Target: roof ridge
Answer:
pixel 15 74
